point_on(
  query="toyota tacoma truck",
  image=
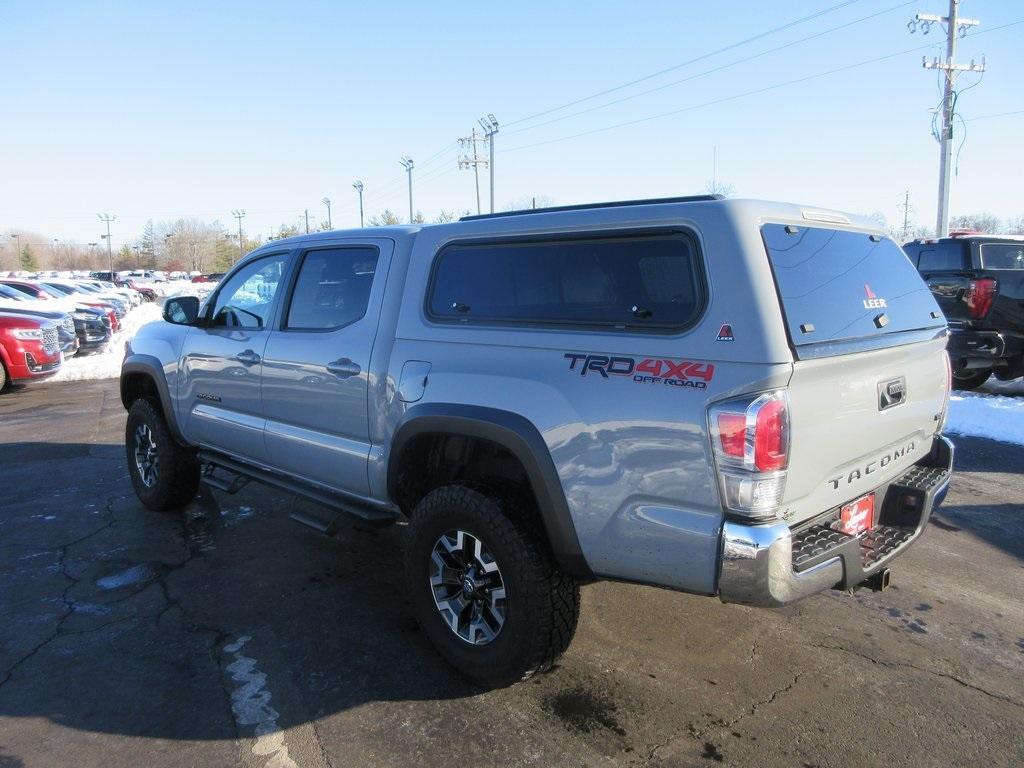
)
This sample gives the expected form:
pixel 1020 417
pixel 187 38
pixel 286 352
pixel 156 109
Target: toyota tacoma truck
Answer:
pixel 728 398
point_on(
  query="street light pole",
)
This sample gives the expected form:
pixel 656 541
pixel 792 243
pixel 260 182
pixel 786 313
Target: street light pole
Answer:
pixel 407 164
pixel 327 201
pixel 359 188
pixel 239 214
pixel 107 218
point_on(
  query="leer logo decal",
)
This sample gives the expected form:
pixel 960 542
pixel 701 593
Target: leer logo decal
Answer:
pixel 872 301
pixel 673 373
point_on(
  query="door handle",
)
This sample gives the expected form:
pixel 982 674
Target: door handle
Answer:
pixel 248 357
pixel 344 368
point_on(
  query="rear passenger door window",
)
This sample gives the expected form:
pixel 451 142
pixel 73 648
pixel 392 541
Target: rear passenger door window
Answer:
pixel 640 281
pixel 332 289
pixel 942 257
pixel 1002 256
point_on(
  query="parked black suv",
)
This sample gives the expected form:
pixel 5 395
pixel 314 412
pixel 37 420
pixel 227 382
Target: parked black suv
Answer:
pixel 978 281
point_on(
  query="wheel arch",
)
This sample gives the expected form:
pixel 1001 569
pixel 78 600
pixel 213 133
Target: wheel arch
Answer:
pixel 143 376
pixel 520 438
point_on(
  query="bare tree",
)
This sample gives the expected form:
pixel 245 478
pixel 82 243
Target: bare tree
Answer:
pixel 716 187
pixel 981 222
pixel 527 202
pixel 386 219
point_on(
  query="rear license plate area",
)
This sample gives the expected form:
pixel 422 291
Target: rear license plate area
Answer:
pixel 857 516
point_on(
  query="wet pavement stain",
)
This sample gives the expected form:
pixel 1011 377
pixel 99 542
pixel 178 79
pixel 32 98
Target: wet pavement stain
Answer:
pixel 712 752
pixel 584 712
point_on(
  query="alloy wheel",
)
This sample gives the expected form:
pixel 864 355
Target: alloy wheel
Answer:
pixel 467 586
pixel 146 460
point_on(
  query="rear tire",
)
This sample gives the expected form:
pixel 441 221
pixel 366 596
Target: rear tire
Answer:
pixel 165 475
pixel 494 641
pixel 967 381
pixel 4 378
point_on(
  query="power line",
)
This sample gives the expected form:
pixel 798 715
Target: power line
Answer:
pixel 990 117
pixel 713 70
pixel 722 100
pixel 753 92
pixel 694 60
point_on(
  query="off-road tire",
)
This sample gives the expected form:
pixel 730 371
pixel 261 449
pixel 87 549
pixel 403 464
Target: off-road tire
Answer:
pixel 542 603
pixel 177 479
pixel 969 381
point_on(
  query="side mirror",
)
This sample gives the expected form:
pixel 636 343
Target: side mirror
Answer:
pixel 182 310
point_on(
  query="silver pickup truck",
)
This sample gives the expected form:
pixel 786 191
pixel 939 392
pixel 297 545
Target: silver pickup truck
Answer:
pixel 726 397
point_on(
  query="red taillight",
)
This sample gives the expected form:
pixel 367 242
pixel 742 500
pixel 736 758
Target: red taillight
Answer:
pixel 771 444
pixel 980 294
pixel 732 432
pixel 750 439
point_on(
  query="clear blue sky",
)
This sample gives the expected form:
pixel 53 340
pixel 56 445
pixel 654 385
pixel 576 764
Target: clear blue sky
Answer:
pixel 160 110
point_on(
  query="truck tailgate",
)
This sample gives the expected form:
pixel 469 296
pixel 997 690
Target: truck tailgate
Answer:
pixel 850 432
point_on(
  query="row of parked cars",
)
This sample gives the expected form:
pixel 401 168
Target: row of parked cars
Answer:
pixel 45 320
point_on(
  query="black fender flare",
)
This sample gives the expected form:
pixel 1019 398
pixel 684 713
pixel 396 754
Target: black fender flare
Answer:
pixel 152 368
pixel 520 437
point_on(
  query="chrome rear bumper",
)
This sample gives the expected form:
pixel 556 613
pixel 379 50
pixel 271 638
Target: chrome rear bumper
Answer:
pixel 758 566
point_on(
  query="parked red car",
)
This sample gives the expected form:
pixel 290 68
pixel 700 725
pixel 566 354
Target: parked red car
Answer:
pixel 147 293
pixel 29 348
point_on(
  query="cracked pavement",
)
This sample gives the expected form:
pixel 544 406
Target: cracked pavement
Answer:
pixel 230 635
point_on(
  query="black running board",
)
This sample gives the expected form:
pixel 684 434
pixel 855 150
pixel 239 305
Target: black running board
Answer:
pixel 375 516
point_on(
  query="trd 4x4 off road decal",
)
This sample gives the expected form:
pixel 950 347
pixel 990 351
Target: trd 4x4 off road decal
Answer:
pixel 650 370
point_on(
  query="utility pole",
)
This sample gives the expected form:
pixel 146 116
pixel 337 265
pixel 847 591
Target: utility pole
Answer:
pixel 955 27
pixel 307 221
pixel 490 126
pixel 906 215
pixel 358 186
pixel 107 218
pixel 473 160
pixel 714 169
pixel 407 164
pixel 239 214
pixel 17 251
pixel 327 201
pixel 92 255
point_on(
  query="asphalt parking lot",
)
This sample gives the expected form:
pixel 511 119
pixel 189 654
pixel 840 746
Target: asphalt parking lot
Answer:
pixel 231 635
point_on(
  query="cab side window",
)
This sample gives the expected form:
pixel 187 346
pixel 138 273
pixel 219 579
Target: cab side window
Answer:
pixel 247 298
pixel 333 288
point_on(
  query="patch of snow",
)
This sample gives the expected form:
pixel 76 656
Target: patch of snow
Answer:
pixel 125 578
pixel 997 417
pixel 106 363
pixel 997 387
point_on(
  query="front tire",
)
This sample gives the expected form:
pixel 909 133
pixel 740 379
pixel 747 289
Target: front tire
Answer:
pixel 967 381
pixel 485 590
pixel 165 475
pixel 4 379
